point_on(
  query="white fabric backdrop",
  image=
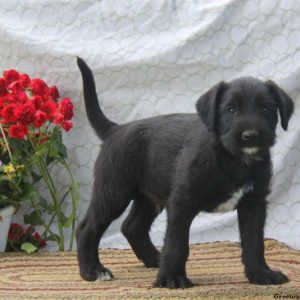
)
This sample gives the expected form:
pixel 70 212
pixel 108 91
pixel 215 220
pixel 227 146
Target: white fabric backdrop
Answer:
pixel 154 57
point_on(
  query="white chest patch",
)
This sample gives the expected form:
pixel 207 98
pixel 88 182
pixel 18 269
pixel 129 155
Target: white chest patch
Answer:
pixel 232 202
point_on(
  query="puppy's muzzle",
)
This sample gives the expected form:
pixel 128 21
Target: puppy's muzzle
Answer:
pixel 250 140
pixel 250 136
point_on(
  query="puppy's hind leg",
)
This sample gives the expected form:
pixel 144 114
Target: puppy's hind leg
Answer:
pixel 136 229
pixel 104 208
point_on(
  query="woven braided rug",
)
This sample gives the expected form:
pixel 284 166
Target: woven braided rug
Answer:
pixel 215 268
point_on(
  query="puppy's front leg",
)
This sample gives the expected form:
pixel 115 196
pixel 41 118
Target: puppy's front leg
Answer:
pixel 175 252
pixel 251 216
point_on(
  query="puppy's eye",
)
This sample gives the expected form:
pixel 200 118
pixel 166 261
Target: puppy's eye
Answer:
pixel 268 108
pixel 231 110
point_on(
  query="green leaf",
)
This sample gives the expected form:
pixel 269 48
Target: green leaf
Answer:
pixel 57 150
pixel 33 219
pixel 29 192
pixel 53 237
pixel 17 146
pixel 43 203
pixel 69 221
pixel 63 218
pixel 63 150
pixel 42 150
pixel 28 248
pixel 57 147
pixel 53 153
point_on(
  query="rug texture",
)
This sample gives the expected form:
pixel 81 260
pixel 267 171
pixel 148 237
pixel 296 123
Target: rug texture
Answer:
pixel 215 268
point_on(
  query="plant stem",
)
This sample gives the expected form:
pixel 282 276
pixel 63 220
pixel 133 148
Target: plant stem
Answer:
pixel 42 220
pixel 49 182
pixel 53 216
pixel 75 198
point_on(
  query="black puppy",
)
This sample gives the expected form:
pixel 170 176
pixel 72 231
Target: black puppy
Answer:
pixel 214 161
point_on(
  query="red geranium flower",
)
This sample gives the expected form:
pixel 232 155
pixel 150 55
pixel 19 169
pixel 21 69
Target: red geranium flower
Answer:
pixel 17 131
pixel 27 104
pixel 40 118
pixel 37 101
pixel 11 75
pixel 42 243
pixel 37 235
pixel 16 226
pixel 21 97
pixel 39 87
pixel 15 232
pixel 67 125
pixel 66 108
pixel 25 113
pixel 50 108
pixel 9 98
pixel 16 86
pixel 58 118
pixel 8 114
pixel 25 79
pixel 53 93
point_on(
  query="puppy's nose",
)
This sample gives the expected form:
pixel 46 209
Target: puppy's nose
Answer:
pixel 250 136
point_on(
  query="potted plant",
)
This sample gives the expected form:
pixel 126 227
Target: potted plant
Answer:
pixel 31 121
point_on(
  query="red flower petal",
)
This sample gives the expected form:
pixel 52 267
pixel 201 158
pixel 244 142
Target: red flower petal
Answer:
pixel 66 108
pixel 3 86
pixel 25 113
pixel 50 108
pixel 58 119
pixel 8 114
pixel 16 86
pixel 67 125
pixel 11 75
pixel 25 79
pixel 53 93
pixel 39 87
pixel 17 131
pixel 40 118
pixel 37 101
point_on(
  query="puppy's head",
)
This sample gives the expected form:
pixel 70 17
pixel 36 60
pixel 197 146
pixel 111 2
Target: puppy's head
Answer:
pixel 244 114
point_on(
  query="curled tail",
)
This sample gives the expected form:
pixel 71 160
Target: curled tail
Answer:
pixel 98 120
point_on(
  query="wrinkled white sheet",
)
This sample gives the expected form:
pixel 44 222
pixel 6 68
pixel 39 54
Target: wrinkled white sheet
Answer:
pixel 154 57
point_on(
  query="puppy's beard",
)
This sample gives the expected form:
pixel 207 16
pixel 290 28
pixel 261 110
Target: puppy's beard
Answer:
pixel 250 150
pixel 251 154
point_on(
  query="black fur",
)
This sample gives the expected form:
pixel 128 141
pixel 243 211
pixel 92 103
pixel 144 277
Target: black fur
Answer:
pixel 187 163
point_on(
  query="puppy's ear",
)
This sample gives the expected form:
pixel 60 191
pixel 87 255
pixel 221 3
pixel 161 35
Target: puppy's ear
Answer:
pixel 284 102
pixel 207 105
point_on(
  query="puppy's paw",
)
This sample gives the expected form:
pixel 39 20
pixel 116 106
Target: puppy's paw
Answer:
pixel 173 282
pixel 266 276
pixel 105 275
pixel 100 273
